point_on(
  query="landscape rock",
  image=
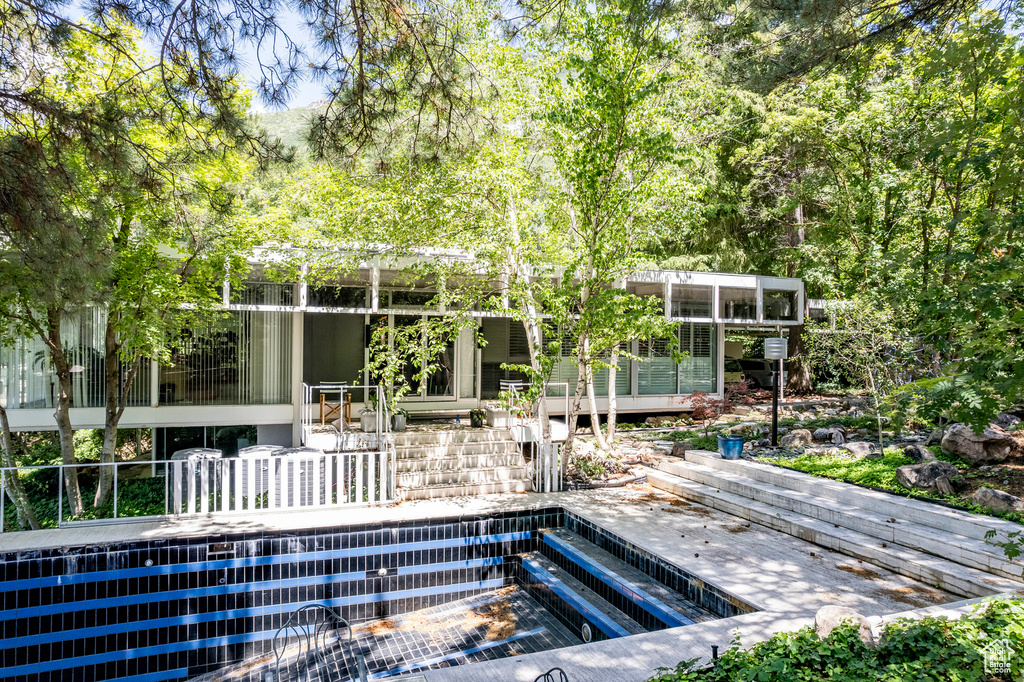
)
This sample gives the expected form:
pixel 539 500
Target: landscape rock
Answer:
pixel 745 427
pixel 681 448
pixel 936 476
pixel 859 449
pixel 996 500
pixel 992 445
pixel 822 436
pixel 828 618
pixel 1005 420
pixel 919 453
pixel 796 438
pixel 935 437
pixel 742 409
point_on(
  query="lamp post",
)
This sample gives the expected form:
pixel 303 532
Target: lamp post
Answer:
pixel 776 349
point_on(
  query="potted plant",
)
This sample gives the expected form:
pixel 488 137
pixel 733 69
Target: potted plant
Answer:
pixel 399 417
pixel 476 418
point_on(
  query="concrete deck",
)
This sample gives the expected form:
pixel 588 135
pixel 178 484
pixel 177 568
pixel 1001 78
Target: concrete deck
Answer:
pixel 787 578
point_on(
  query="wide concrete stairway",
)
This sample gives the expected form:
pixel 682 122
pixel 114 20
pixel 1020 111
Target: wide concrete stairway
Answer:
pixel 459 462
pixel 928 542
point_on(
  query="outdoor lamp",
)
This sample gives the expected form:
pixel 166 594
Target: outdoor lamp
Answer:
pixel 777 349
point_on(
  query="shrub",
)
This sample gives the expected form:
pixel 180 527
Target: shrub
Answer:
pixel 932 649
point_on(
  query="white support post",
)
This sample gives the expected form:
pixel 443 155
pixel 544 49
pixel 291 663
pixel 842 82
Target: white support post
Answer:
pixel 375 288
pixel 250 483
pixel 315 486
pixel 176 499
pixel 204 486
pixel 273 481
pixel 236 474
pixel 359 461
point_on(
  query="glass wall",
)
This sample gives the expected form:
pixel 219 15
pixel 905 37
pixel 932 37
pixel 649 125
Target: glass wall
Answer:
pixel 737 304
pixel 227 439
pixel 698 371
pixel 779 305
pixel 660 374
pixel 243 358
pixel 690 300
pixel 27 379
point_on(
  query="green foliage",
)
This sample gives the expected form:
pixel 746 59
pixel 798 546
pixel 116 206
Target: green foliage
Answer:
pixel 933 648
pixel 880 472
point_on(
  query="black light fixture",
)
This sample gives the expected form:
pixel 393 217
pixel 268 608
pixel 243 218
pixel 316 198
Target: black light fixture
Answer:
pixel 777 349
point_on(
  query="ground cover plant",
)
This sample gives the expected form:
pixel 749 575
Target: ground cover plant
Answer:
pixel 933 648
pixel 880 472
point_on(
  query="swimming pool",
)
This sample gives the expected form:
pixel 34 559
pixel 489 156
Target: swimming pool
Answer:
pixel 175 609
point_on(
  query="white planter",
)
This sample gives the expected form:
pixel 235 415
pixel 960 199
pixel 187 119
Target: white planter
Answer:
pixel 496 417
pixel 398 422
pixel 368 422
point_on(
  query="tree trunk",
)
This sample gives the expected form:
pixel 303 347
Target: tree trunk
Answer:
pixel 613 400
pixel 574 409
pixel 595 418
pixel 62 413
pixel 12 484
pixel 116 392
pixel 111 381
pixel 799 381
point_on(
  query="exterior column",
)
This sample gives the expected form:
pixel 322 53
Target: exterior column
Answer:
pixel 297 378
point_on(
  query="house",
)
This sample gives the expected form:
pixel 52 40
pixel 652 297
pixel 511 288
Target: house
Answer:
pixel 241 379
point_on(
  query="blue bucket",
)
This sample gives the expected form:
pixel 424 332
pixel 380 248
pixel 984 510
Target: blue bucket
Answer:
pixel 730 446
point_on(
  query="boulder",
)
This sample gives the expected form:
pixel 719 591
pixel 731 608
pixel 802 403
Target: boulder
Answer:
pixel 919 453
pixel 996 500
pixel 681 448
pixel 822 436
pixel 991 445
pixel 796 438
pixel 935 437
pixel 828 618
pixel 936 476
pixel 859 449
pixel 742 409
pixel 744 427
pixel 1005 420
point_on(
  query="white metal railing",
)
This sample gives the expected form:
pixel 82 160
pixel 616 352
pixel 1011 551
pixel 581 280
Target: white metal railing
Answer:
pixel 547 457
pixel 278 483
pixel 206 486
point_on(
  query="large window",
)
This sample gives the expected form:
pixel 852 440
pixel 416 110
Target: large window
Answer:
pixel 27 379
pixel 241 359
pixel 779 305
pixel 659 374
pixel 737 304
pixel 697 371
pixel 690 300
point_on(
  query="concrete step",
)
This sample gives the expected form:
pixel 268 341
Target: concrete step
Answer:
pixel 418 479
pixel 466 489
pixel 457 462
pixel 946 575
pixel 453 449
pixel 903 509
pixel 967 551
pixel 463 435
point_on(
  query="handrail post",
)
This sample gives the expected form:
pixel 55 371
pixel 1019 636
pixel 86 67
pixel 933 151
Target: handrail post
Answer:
pixel 60 494
pixel 114 464
pixel 3 495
